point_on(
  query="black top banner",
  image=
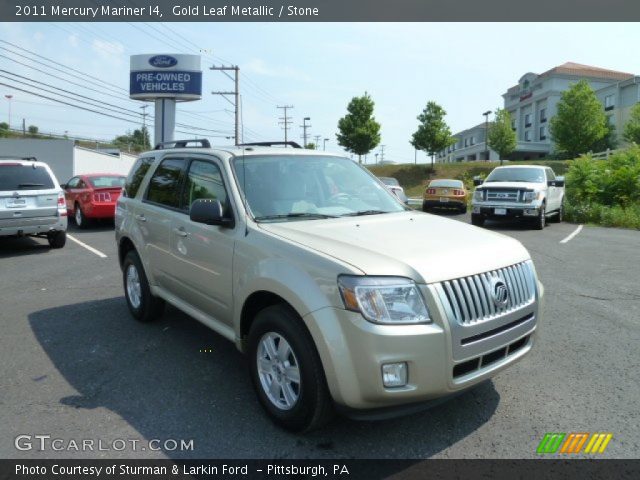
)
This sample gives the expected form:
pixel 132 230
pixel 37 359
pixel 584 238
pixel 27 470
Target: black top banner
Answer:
pixel 318 10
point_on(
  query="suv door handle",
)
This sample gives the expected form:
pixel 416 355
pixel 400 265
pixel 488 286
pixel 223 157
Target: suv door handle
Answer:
pixel 141 218
pixel 180 232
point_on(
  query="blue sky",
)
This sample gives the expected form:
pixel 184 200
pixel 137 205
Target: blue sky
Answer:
pixel 317 67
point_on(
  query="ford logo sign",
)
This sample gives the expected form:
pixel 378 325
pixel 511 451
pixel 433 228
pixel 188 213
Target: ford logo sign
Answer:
pixel 163 61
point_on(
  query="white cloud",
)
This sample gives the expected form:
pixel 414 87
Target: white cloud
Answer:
pixel 73 40
pixel 108 50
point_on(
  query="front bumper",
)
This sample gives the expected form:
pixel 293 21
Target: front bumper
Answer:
pixel 353 351
pixel 510 210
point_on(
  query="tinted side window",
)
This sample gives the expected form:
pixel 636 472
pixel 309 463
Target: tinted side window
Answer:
pixel 203 180
pixel 550 174
pixel 164 186
pixel 73 183
pixel 139 170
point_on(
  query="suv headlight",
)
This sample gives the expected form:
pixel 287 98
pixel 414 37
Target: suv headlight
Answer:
pixel 531 196
pixel 384 300
pixel 478 195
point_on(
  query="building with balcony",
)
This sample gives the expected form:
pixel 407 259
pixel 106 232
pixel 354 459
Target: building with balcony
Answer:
pixel 533 102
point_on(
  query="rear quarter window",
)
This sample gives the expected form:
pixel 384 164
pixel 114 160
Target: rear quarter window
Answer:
pixel 24 177
pixel 136 175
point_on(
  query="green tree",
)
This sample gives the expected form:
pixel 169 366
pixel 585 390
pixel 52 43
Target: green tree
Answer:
pixel 580 122
pixel 33 131
pixel 609 141
pixel 4 129
pixel 632 127
pixel 137 140
pixel 310 146
pixel 433 134
pixel 501 136
pixel 359 132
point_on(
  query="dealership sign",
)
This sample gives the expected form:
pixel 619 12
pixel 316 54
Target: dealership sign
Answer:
pixel 165 76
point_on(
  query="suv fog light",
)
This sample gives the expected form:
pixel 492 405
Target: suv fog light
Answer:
pixel 394 374
pixel 476 209
pixel 533 212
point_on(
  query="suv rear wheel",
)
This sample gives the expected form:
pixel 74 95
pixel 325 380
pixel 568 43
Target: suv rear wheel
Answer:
pixel 57 239
pixel 286 370
pixel 144 306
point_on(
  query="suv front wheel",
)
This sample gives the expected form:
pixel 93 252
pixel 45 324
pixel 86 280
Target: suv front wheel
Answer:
pixel 144 306
pixel 286 370
pixel 541 219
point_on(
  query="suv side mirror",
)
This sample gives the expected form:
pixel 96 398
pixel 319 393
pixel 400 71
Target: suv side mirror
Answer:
pixel 209 212
pixel 477 181
pixel 63 186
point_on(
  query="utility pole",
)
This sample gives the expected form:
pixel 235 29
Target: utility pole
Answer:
pixel 235 93
pixel 144 125
pixel 285 122
pixel 317 137
pixel 24 128
pixel 377 157
pixel 304 127
pixel 382 153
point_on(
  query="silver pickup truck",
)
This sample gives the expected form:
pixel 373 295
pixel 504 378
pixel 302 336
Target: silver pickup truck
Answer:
pixel 528 192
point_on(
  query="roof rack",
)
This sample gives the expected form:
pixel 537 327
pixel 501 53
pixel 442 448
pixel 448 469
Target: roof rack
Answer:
pixel 204 143
pixel 270 144
pixel 17 157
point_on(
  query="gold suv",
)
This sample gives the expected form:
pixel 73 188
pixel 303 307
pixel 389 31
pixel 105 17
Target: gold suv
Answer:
pixel 342 297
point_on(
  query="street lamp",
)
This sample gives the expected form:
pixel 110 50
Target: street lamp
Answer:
pixel 324 144
pixel 304 130
pixel 486 134
pixel 9 97
pixel 377 158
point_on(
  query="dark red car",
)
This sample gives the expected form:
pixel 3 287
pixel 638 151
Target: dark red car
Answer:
pixel 93 196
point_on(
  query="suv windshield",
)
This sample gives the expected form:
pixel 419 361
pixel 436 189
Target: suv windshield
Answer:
pixel 532 175
pixel 282 187
pixel 16 176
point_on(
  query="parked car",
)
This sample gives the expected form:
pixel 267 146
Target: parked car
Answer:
pixel 526 192
pixel 342 297
pixel 394 186
pixel 445 193
pixel 92 196
pixel 31 202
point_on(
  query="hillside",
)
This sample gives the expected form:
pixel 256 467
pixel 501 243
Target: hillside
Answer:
pixel 414 178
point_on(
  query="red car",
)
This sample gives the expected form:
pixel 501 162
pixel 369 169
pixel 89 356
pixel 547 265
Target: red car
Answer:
pixel 93 196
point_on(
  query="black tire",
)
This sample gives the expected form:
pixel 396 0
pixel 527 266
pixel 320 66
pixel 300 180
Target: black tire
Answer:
pixel 541 219
pixel 313 407
pixel 148 307
pixel 559 216
pixel 463 209
pixel 425 208
pixel 79 217
pixel 477 220
pixel 57 239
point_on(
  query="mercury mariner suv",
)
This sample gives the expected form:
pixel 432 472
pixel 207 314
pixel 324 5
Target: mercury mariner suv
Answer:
pixel 341 296
pixel 525 192
pixel 31 201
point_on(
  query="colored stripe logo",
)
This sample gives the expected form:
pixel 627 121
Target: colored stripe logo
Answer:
pixel 568 443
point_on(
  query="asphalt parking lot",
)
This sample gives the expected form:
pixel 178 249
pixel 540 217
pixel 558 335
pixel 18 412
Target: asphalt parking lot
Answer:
pixel 74 365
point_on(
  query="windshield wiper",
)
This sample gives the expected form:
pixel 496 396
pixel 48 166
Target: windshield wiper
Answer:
pixel 364 212
pixel 31 185
pixel 295 215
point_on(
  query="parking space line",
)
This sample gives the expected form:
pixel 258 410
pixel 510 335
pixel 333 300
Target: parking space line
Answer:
pixel 88 247
pixel 573 234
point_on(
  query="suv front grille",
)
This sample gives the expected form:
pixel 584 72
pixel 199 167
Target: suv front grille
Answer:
pixel 472 299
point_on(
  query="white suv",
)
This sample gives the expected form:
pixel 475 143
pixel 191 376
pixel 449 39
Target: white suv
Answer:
pixel 31 201
pixel 530 192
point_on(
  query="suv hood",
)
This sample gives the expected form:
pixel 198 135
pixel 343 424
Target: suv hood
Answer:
pixel 423 247
pixel 516 185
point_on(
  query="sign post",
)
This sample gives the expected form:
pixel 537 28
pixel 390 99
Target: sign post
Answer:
pixel 165 80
